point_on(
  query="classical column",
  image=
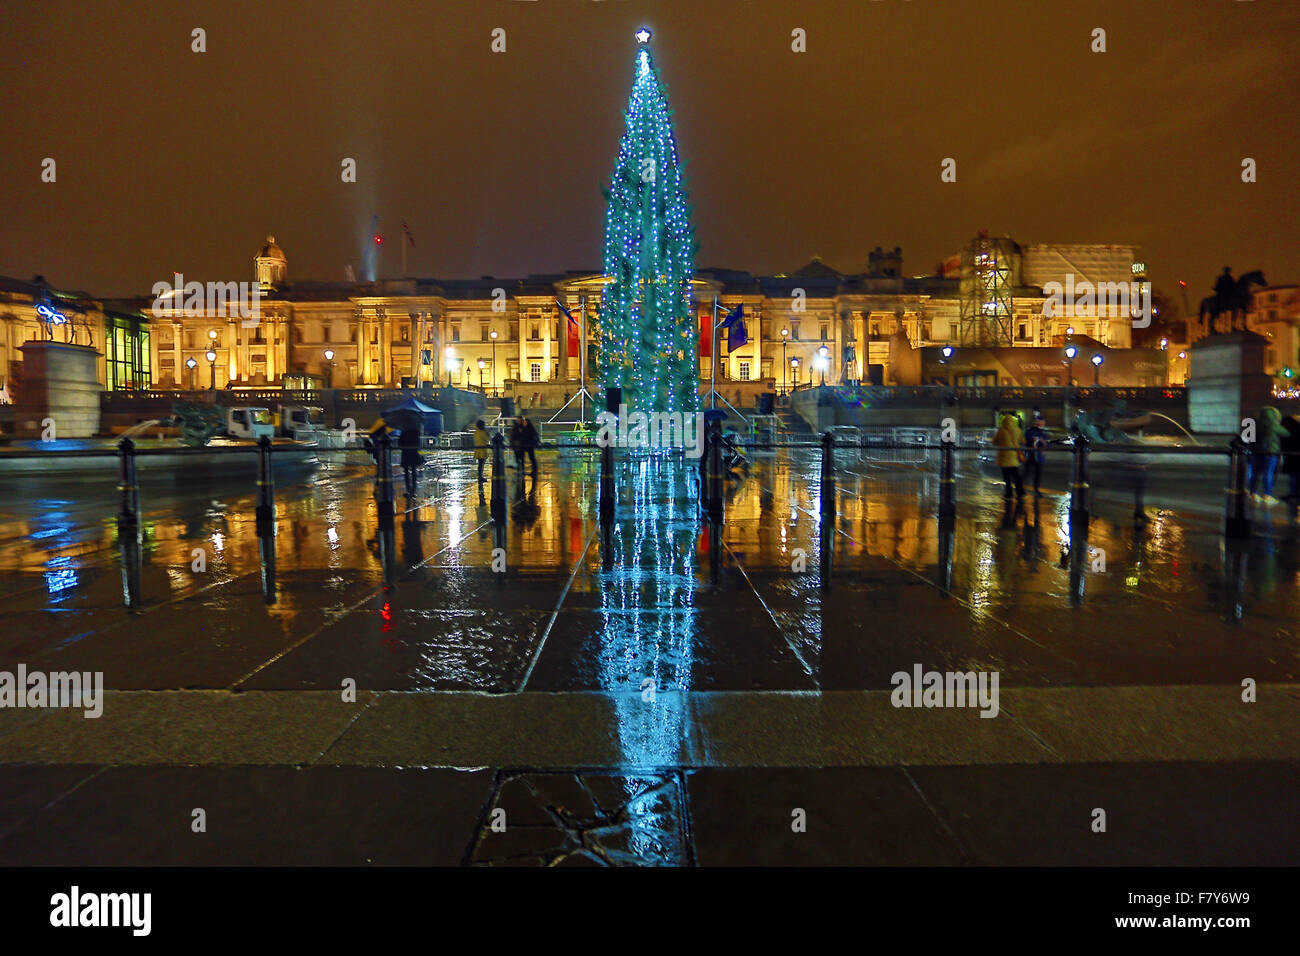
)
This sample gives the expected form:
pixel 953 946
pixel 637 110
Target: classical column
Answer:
pixel 180 374
pixel 270 323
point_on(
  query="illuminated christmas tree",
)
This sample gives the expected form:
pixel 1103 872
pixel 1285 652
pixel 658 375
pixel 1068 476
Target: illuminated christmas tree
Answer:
pixel 648 337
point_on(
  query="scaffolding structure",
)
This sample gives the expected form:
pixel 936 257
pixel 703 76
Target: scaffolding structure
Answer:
pixel 988 279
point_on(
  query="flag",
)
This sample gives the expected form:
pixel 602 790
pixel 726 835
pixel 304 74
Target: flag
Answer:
pixel 407 231
pixel 735 326
pixel 567 314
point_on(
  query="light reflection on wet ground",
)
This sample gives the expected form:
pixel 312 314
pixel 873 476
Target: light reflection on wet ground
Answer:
pixel 647 604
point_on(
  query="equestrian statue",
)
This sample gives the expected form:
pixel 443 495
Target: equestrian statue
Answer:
pixel 1231 296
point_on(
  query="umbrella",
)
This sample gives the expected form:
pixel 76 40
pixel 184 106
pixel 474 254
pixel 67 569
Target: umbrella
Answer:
pixel 408 414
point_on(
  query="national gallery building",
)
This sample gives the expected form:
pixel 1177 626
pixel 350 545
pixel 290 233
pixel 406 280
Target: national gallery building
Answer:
pixel 814 324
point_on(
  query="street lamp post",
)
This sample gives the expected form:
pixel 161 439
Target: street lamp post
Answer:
pixel 481 366
pixel 191 364
pixel 1071 351
pixel 212 364
pixel 1096 368
pixel 785 339
pixel 329 357
pixel 493 336
pixel 823 361
pixel 1164 349
pixel 794 370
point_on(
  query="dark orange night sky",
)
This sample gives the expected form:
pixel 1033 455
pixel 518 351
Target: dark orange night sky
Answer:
pixel 169 160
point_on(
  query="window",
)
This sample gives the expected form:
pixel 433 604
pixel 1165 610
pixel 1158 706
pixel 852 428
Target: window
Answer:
pixel 535 371
pixel 794 331
pixel 744 371
pixel 1022 331
pixel 535 335
pixel 824 330
pixel 455 332
pixel 406 333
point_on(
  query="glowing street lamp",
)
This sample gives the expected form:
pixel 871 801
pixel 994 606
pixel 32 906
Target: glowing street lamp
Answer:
pixel 1096 368
pixel 1070 352
pixel 329 357
pixel 481 366
pixel 191 364
pixel 493 336
pixel 823 361
pixel 212 364
pixel 794 370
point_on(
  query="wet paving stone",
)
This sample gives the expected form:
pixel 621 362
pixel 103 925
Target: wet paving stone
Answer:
pixel 255 816
pixel 635 821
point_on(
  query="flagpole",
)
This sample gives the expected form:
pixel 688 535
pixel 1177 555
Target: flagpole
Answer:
pixel 582 361
pixel 713 357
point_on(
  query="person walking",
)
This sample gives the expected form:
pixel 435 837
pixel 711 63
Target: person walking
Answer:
pixel 1261 470
pixel 1036 450
pixel 1290 449
pixel 409 442
pixel 528 441
pixel 517 442
pixel 482 442
pixel 1008 441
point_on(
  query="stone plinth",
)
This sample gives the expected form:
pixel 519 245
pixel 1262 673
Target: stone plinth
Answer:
pixel 1226 381
pixel 60 382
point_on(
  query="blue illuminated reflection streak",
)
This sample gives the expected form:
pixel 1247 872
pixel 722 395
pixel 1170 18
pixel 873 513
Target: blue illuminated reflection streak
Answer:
pixel 649 630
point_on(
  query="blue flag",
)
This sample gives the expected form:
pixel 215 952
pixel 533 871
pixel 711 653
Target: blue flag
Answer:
pixel 735 326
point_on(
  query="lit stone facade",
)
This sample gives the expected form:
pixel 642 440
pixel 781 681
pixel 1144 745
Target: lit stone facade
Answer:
pixel 813 323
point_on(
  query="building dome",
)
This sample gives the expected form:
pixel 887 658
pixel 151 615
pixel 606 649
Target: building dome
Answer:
pixel 271 265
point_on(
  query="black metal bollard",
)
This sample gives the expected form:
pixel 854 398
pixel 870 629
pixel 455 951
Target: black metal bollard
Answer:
pixel 714 479
pixel 1140 496
pixel 1079 502
pixel 947 482
pixel 1237 518
pixel 607 484
pixel 128 524
pixel 265 490
pixel 498 506
pixel 829 509
pixel 384 479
